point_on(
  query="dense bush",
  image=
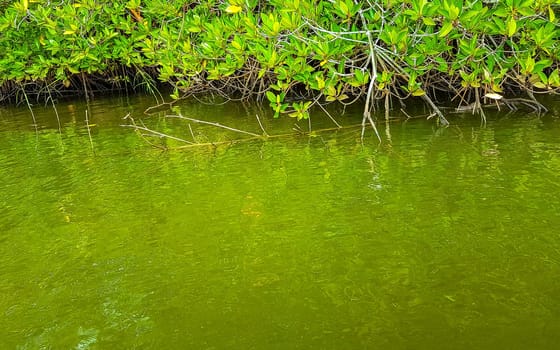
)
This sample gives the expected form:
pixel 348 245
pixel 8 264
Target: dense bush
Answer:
pixel 293 54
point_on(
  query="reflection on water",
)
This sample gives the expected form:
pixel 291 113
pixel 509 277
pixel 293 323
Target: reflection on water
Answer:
pixel 439 239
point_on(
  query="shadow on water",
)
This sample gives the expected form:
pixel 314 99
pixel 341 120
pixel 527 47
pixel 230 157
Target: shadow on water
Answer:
pixel 438 239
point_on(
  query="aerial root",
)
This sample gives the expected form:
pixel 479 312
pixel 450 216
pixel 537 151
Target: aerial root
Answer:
pixel 512 103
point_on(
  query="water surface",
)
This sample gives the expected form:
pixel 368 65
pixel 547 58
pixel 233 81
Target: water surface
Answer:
pixel 435 239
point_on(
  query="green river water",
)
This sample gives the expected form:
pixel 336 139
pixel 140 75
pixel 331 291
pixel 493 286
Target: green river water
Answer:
pixel 433 239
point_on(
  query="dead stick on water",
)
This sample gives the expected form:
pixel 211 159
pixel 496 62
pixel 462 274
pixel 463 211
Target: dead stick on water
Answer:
pixel 136 127
pixel 192 133
pixel 329 115
pixel 260 124
pixel 153 132
pixel 301 132
pixel 407 115
pixel 435 109
pixel 157 133
pixel 213 124
pixel 214 144
pixel 143 136
pixel 158 106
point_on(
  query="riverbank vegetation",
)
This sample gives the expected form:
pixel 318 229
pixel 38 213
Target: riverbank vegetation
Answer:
pixel 290 55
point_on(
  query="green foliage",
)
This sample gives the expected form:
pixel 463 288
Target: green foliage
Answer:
pixel 321 51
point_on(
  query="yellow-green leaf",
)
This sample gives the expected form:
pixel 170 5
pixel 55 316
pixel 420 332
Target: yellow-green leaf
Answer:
pixel 453 12
pixel 320 82
pixel 496 88
pixel 236 45
pixel 554 78
pixel 343 8
pixel 418 92
pixel 273 59
pixel 233 9
pixel 428 21
pixel 511 26
pixel 69 32
pixel 276 28
pixel 445 29
pixel 342 97
pixel 551 15
pixel 529 65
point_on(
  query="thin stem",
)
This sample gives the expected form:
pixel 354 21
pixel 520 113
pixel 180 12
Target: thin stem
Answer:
pixel 213 124
pixel 260 124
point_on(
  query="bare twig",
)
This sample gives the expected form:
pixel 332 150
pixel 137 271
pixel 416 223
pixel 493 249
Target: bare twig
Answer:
pixel 213 124
pixel 436 110
pixel 192 133
pixel 329 115
pixel 260 124
pixel 407 115
pixel 157 133
pixel 167 105
pixel 150 132
pixel 254 138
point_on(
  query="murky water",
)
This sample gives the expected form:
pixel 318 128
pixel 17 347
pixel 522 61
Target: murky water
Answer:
pixel 436 239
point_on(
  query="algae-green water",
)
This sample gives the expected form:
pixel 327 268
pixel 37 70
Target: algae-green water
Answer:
pixel 433 239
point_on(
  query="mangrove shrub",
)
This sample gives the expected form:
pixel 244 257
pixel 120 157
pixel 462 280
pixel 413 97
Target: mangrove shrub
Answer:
pixel 291 54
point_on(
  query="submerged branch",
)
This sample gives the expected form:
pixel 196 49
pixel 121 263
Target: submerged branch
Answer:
pixel 136 127
pixel 435 109
pixel 218 125
pixel 254 137
pixel 260 124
